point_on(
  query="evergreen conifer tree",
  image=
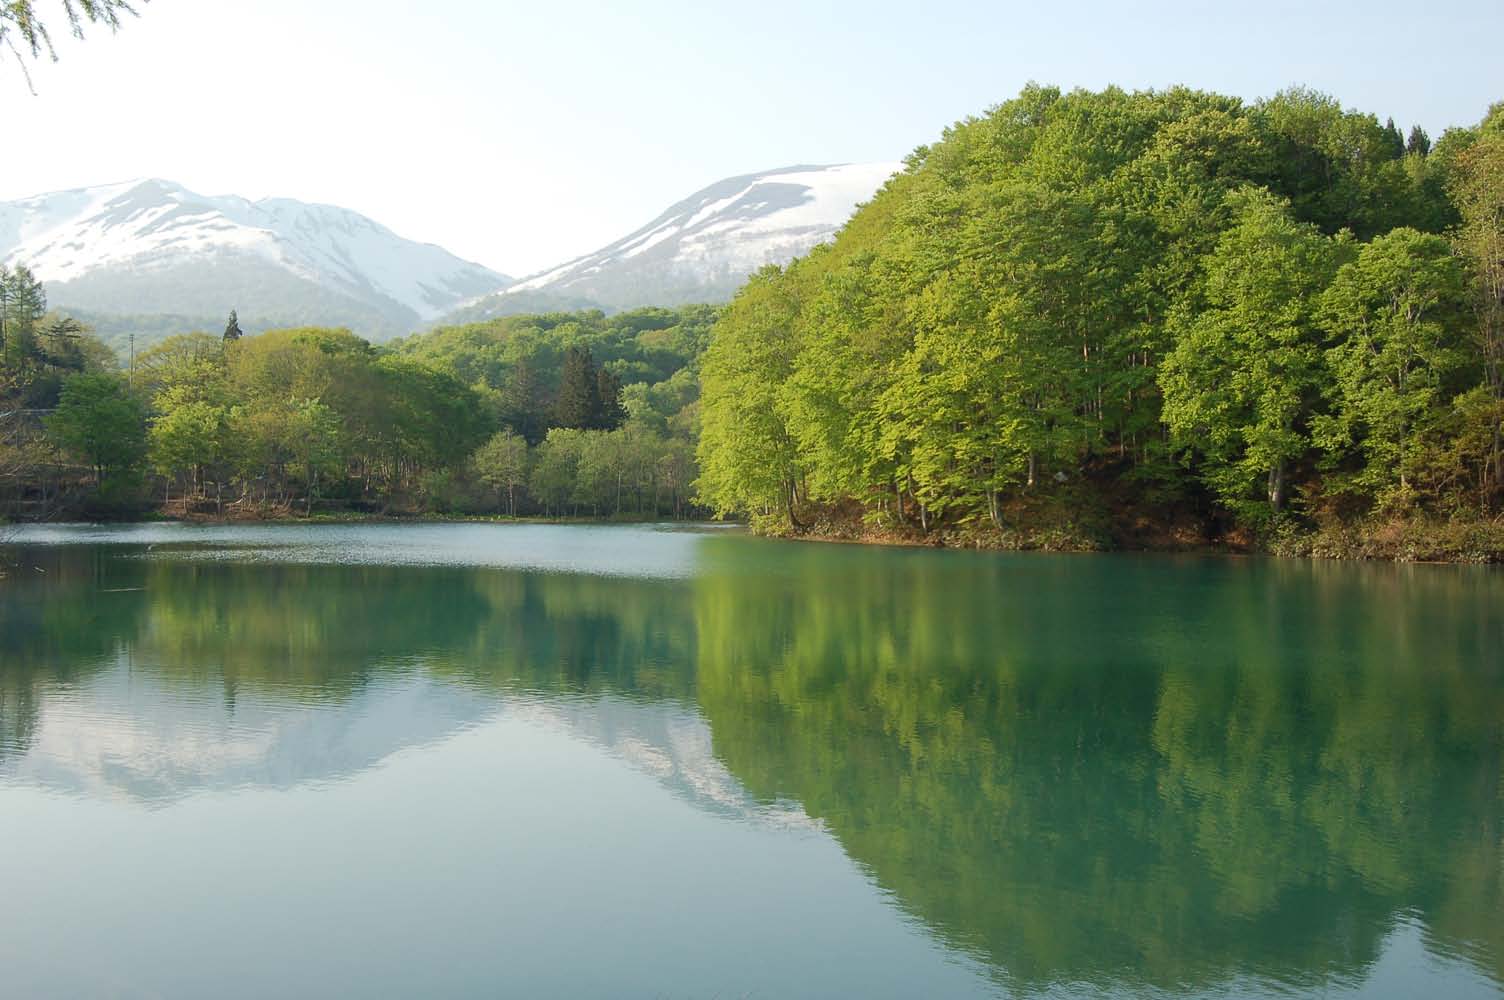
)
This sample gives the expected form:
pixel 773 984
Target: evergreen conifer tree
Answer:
pixel 1394 140
pixel 1419 141
pixel 23 303
pixel 579 402
pixel 610 413
pixel 523 402
pixel 232 328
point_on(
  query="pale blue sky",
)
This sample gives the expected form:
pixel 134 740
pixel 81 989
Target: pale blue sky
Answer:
pixel 519 134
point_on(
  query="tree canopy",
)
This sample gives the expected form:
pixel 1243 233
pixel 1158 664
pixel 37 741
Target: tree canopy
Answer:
pixel 1117 306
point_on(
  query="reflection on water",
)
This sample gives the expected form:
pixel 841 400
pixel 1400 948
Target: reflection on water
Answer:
pixel 1069 775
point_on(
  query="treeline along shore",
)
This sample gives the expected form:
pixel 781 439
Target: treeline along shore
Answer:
pixel 1089 320
pixel 1082 320
pixel 564 415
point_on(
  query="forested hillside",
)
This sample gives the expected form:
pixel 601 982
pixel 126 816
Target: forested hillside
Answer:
pixel 1117 318
pixel 562 414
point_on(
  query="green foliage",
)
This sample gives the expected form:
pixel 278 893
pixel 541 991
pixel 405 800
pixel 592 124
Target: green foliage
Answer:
pixel 502 464
pixel 579 404
pixel 1477 187
pixel 748 458
pixel 1419 142
pixel 1395 315
pixel 1120 296
pixel 103 422
pixel 189 436
pixel 282 420
pixel 1145 308
pixel 556 469
pixel 522 363
pixel 1245 371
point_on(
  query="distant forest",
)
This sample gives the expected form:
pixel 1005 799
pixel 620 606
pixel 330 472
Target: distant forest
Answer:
pixel 561 415
pixel 1081 320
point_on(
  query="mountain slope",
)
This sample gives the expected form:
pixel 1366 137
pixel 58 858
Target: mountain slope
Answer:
pixel 149 247
pixel 703 248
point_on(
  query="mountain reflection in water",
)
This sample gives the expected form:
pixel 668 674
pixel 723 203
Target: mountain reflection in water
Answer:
pixel 1084 774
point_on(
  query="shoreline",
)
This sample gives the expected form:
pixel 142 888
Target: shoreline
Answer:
pixel 1414 542
pixel 1449 543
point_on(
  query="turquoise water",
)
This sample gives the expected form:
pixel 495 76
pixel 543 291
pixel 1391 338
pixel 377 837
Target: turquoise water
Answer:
pixel 477 761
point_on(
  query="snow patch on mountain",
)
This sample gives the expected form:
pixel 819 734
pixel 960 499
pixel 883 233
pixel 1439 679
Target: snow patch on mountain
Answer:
pixel 81 235
pixel 705 247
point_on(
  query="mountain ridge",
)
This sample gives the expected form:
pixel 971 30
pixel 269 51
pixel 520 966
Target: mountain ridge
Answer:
pixel 143 256
pixel 155 247
pixel 703 247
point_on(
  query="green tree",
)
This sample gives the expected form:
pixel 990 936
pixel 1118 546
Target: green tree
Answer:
pixel 524 404
pixel 1245 371
pixel 190 435
pixel 502 464
pixel 103 422
pixel 1419 143
pixel 610 413
pixel 1478 189
pixel 1393 140
pixel 23 304
pixel 748 458
pixel 188 361
pixel 315 442
pixel 1393 317
pixel 579 402
pixel 557 465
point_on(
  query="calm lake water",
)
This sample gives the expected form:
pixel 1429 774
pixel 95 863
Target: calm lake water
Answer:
pixel 482 761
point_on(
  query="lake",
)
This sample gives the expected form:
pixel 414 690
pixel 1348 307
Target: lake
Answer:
pixel 540 761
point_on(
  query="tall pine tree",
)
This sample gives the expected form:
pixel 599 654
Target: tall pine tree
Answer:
pixel 1393 140
pixel 579 402
pixel 524 406
pixel 1419 141
pixel 23 303
pixel 610 413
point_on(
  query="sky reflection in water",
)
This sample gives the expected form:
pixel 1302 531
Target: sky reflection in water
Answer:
pixel 466 760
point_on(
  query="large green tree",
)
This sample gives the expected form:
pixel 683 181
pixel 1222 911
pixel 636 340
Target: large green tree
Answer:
pixel 748 457
pixel 103 422
pixel 502 464
pixel 1245 372
pixel 1394 317
pixel 1478 189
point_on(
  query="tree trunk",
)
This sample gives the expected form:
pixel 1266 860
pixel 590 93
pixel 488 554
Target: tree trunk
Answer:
pixel 1277 487
pixel 791 497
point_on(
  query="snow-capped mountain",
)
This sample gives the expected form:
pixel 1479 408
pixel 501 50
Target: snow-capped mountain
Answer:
pixel 154 247
pixel 703 248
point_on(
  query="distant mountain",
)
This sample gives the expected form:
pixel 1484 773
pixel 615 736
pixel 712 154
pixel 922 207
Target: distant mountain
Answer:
pixel 703 248
pixel 154 248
